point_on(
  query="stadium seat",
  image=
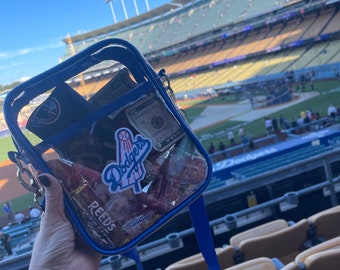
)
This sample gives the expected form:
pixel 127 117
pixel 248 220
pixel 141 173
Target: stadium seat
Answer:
pixel 225 256
pixel 327 245
pixel 291 266
pixel 326 223
pixel 269 227
pixel 315 257
pixel 261 263
pixel 329 260
pixel 284 244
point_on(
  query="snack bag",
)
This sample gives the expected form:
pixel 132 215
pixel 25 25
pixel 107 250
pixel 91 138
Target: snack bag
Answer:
pixel 119 145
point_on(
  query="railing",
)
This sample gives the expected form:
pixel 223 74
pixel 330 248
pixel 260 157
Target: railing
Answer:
pixel 311 126
pixel 242 148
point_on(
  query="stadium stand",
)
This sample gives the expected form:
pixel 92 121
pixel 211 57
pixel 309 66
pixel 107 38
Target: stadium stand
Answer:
pixel 221 42
pixel 333 25
pixel 203 16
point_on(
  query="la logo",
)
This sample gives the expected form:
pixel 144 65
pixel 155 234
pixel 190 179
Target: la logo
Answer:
pixel 128 170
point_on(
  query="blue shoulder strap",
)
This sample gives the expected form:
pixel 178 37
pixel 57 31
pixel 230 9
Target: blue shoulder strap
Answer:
pixel 133 255
pixel 204 237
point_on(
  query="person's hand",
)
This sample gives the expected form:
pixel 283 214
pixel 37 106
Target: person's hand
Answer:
pixel 56 245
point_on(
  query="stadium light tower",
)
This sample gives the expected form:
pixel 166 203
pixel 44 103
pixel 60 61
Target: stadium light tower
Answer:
pixel 147 5
pixel 112 10
pixel 136 7
pixel 124 9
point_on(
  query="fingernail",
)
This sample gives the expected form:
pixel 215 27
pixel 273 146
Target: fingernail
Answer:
pixel 44 180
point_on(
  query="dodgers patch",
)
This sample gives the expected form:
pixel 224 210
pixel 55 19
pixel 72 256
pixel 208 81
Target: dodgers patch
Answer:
pixel 128 170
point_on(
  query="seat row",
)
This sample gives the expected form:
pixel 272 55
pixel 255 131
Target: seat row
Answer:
pixel 306 244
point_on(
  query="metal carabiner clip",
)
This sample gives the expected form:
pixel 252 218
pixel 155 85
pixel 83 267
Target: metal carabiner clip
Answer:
pixel 32 187
pixel 31 183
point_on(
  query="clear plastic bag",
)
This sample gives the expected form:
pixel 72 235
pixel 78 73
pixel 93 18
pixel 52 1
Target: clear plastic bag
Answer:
pixel 123 152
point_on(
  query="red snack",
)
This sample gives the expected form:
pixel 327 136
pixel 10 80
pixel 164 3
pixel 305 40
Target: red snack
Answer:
pixel 154 203
pixel 174 186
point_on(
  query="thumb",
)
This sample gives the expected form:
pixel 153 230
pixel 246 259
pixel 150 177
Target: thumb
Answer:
pixel 54 204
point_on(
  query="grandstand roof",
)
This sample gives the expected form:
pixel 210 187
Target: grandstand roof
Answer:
pixel 127 23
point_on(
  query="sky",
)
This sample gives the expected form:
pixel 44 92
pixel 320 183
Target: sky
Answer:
pixel 32 31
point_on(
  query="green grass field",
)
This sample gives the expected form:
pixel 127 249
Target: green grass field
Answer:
pixel 21 203
pixel 317 104
pixel 6 144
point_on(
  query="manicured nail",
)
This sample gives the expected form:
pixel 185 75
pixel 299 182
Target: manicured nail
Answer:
pixel 44 180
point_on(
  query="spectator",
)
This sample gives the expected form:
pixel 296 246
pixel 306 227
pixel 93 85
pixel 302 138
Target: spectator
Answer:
pixel 34 212
pixel 19 218
pixel 244 140
pixel 306 121
pixel 251 145
pixel 268 124
pixel 5 238
pixel 294 125
pixel 309 114
pixel 314 116
pixel 317 115
pixel 240 132
pixel 211 148
pixel 8 210
pixel 221 147
pixel 281 120
pixel 275 125
pixel 300 123
pixel 303 114
pixel 331 111
pixel 231 137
